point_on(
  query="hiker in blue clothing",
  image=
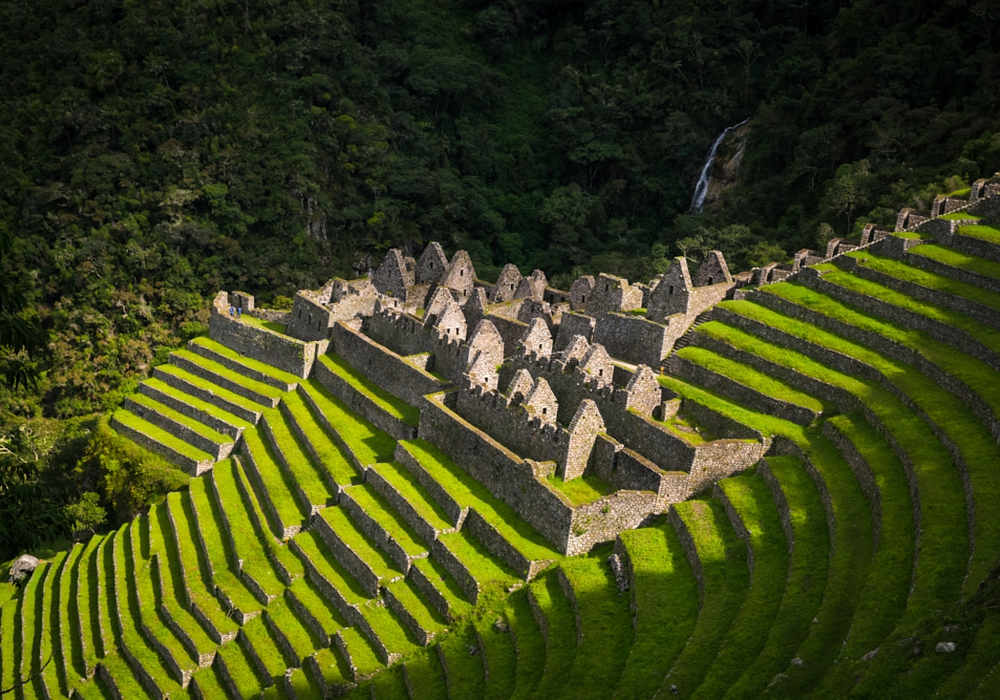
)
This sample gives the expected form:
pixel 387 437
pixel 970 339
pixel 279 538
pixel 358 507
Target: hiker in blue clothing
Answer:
pixel 232 310
pixel 239 312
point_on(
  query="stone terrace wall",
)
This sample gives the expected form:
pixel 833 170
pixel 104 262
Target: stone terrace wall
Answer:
pixel 507 476
pixel 260 343
pixel 633 338
pixel 602 520
pixel 384 367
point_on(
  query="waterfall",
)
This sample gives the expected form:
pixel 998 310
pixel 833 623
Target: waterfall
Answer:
pixel 701 189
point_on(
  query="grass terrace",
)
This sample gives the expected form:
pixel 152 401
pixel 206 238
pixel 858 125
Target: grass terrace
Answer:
pixel 193 425
pixel 249 362
pixel 130 420
pixel 312 546
pixel 348 532
pixel 379 510
pixel 269 325
pixel 224 395
pixel 561 639
pixel 223 372
pixel 240 670
pixel 464 672
pixel 278 485
pixel 391 404
pixel 665 601
pixel 332 458
pixel 983 233
pixel 359 650
pixel 529 643
pixel 446 586
pixel 301 468
pixel 407 486
pixel 959 216
pixel 722 557
pixel 947 285
pixel 958 259
pixel 389 630
pixel 582 490
pixel 496 644
pixel 364 440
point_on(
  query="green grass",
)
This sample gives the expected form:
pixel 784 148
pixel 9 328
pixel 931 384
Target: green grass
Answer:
pixel 257 365
pixel 299 636
pixel 219 549
pixel 178 417
pixel 224 372
pixel 605 626
pixel 297 460
pixel 89 641
pixel 129 419
pixel 49 636
pixel 390 631
pixel 241 671
pixel 193 568
pixel 529 642
pixel 983 233
pixel 207 680
pixel 684 428
pixel 561 641
pixel 332 457
pixel 195 402
pixel 379 510
pixel 464 671
pixel 9 646
pixel 277 482
pixel 309 597
pixel 389 685
pixel 269 325
pixel 461 486
pixel 69 634
pixel 103 585
pixel 975 374
pixel 303 684
pixel 751 499
pixel 478 560
pixel 976 445
pixel 986 335
pixel 944 547
pixel 32 629
pixel 265 646
pixel 360 651
pixel 959 216
pixel 225 394
pixel 497 648
pixel 416 496
pixel 368 444
pixel 349 533
pixel 915 275
pixel 411 599
pixel 958 259
pixel 126 683
pixel 749 377
pixel 807 577
pixel 332 667
pixel 329 568
pixel 726 583
pixel 426 675
pixel 433 571
pixel 584 489
pixel 249 545
pixel 665 596
pixel 391 404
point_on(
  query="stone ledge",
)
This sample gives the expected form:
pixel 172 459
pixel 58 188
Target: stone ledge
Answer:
pixel 191 466
pixel 207 395
pixel 210 376
pixel 191 412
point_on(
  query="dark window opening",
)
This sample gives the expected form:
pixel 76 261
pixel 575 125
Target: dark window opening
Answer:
pixel 670 290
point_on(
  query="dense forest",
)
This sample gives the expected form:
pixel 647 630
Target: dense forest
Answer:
pixel 155 152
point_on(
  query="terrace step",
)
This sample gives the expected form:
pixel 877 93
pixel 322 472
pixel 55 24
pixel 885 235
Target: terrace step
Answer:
pixel 664 598
pixel 358 653
pixel 209 392
pixel 67 633
pixel 298 685
pixel 48 635
pixel 85 594
pixel 117 676
pixel 406 601
pixel 386 632
pixel 334 582
pixel 493 522
pixel 274 487
pixel 471 564
pixel 376 518
pixel 356 552
pixel 197 590
pixel 496 644
pixel 193 363
pixel 237 672
pixel 321 616
pixel 155 439
pixel 366 398
pixel 557 620
pixel 365 443
pixel 329 670
pixel 603 626
pixel 296 640
pixel 330 457
pixel 196 434
pixel 464 672
pixel 312 490
pixel 439 588
pixel 949 262
pixel 529 642
pixel 195 408
pixel 247 366
pixel 755 519
pixel 409 499
pixel 262 650
pixel 719 560
pixel 425 676
pixel 797 500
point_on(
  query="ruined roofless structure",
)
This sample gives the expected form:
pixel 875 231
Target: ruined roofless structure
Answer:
pixel 789 476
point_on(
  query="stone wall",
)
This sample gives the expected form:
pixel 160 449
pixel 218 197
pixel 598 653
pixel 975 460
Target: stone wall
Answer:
pixel 506 475
pixel 362 404
pixel 634 338
pixel 259 343
pixel 387 369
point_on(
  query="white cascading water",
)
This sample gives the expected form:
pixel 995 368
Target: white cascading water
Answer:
pixel 701 189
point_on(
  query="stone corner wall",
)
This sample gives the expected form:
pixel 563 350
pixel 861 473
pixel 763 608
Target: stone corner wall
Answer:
pixel 258 343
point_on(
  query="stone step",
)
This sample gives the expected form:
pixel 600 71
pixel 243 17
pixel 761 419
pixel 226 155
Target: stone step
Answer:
pixel 406 601
pixel 329 670
pixel 329 576
pixel 366 398
pixel 358 653
pixel 262 650
pixel 556 618
pixel 409 499
pixel 439 589
pixel 191 406
pixel 313 490
pixel 180 426
pixel 277 491
pixel 295 638
pixel 155 439
pixel 375 517
pixel 247 366
pixel 321 616
pixel 470 564
pixel 209 392
pixel 356 552
pixel 237 672
pixel 213 372
pixel 330 456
